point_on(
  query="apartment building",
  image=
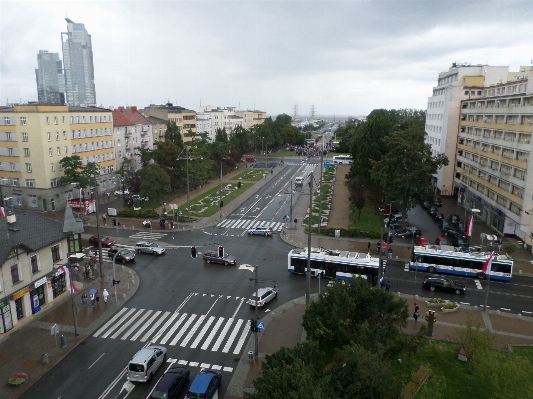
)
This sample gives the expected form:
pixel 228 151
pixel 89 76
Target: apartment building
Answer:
pixel 35 137
pixel 443 112
pixel 220 118
pixel 159 128
pixel 132 130
pixel 493 172
pixel 251 118
pixel 184 118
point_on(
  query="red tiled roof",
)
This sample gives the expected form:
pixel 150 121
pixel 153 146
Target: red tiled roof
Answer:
pixel 128 116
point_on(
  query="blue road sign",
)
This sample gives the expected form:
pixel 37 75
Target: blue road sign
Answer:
pixel 326 164
pixel 260 325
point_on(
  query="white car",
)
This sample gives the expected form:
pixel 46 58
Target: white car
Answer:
pixel 119 192
pixel 260 230
pixel 265 295
pixel 149 247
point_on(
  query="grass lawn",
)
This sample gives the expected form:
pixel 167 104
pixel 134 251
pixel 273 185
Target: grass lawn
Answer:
pixel 251 174
pixel 368 222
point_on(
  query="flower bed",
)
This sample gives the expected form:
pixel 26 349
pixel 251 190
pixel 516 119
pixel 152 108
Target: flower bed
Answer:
pixel 18 379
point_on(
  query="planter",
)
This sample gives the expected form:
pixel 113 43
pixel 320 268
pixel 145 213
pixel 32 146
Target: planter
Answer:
pixel 18 379
pixel 450 310
pixel 439 304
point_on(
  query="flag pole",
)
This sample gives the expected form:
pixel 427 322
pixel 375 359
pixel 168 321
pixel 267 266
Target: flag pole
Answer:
pixel 487 269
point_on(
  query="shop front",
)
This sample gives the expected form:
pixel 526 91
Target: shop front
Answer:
pixel 37 297
pixel 58 283
pixel 6 322
pixel 19 301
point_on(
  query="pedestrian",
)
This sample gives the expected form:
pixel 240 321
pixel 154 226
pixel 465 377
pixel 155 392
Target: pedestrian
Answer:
pixel 105 294
pixel 416 313
pixel 93 300
pixel 97 297
pixel 387 286
pixel 381 285
pixel 295 222
pixel 108 196
pixel 379 247
pixel 389 253
pixel 86 271
pixel 104 217
pixel 368 246
pixel 84 299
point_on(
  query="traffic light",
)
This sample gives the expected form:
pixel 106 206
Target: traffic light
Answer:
pixel 239 185
pixel 252 325
pixel 221 252
pixel 116 282
pixel 221 204
pixel 193 252
pixel 114 222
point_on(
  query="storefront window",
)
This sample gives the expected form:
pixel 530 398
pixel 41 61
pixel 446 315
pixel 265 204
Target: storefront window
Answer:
pixel 6 322
pixel 59 285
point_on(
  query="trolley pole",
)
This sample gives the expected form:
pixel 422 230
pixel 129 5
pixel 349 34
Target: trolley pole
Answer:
pixel 309 221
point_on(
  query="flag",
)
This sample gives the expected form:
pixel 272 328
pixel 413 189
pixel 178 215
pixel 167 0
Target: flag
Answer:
pixel 488 263
pixel 2 212
pixel 66 270
pixel 469 226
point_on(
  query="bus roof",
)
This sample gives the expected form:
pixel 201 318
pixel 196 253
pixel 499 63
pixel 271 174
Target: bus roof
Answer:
pixel 450 251
pixel 336 256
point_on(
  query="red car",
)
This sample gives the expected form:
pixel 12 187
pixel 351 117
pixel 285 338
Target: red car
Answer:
pixel 422 242
pixel 106 241
pixel 250 159
pixel 442 241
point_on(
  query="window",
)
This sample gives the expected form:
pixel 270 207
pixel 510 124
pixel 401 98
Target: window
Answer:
pixel 55 120
pixel 63 120
pixel 53 167
pixel 56 255
pixel 57 136
pixel 30 182
pixel 47 120
pixel 7 120
pixel 28 167
pixel 11 151
pixel 66 150
pixel 50 151
pixel 12 166
pixel 64 135
pixel 15 278
pixel 54 182
pixel 58 150
pixel 9 136
pixel 22 121
pixel 34 264
pixel 25 137
pixel 49 136
pixel 26 152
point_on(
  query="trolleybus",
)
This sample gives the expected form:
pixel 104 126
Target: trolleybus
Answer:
pixel 342 159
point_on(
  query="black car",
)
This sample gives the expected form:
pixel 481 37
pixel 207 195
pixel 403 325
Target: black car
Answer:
pixel 432 211
pixel 437 217
pixel 212 256
pixel 461 243
pixel 408 233
pixel 171 383
pixel 438 202
pixel 395 225
pixel 439 283
pixel 122 255
pixel 454 220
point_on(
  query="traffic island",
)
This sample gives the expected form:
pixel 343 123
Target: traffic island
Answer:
pixel 17 379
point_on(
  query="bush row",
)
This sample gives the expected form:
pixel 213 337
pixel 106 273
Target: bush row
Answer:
pixel 143 213
pixel 351 232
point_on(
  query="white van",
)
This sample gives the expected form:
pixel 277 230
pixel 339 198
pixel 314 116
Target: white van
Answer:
pixel 145 363
pixel 299 181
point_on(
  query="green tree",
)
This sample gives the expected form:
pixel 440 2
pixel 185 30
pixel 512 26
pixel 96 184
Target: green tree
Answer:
pixel 475 342
pixel 291 135
pixel 173 133
pixel 239 141
pixel 221 136
pixel 75 172
pixel 283 120
pixel 358 199
pixel 154 181
pixel 405 171
pixel 146 155
pixel 126 173
pixel 359 313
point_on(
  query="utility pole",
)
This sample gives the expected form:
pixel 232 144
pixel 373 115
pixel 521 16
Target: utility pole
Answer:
pixel 290 216
pixel 309 222
pixel 98 222
pixel 256 317
pixel 320 188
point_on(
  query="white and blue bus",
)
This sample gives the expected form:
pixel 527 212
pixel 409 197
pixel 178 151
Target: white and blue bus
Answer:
pixel 342 265
pixel 433 258
pixel 342 160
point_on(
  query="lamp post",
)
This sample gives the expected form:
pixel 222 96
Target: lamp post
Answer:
pixel 187 158
pixel 220 191
pixel 98 223
pixel 413 229
pixel 114 277
pixel 309 222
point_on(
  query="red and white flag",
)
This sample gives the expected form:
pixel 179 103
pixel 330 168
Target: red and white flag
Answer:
pixel 2 212
pixel 469 226
pixel 66 270
pixel 487 266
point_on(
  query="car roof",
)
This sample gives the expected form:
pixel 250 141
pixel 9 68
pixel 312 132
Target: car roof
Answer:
pixel 201 381
pixel 166 380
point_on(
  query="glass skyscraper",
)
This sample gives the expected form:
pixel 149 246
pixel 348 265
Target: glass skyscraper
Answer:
pixel 78 63
pixel 50 78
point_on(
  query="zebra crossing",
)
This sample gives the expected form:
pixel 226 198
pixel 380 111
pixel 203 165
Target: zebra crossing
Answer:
pixel 146 235
pixel 208 333
pixel 245 224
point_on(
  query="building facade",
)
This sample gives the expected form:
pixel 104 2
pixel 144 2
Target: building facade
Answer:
pixel 35 137
pixel 132 130
pixel 78 63
pixel 251 118
pixel 443 112
pixel 220 118
pixel 184 118
pixel 33 251
pixel 50 78
pixel 494 146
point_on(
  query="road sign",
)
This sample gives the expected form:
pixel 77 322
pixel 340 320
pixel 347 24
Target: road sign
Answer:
pixel 54 329
pixel 260 325
pixel 326 164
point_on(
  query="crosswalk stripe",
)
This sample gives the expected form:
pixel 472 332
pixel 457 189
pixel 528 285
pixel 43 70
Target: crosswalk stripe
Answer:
pixel 126 325
pixel 232 336
pixel 173 329
pixel 222 335
pixel 106 325
pixel 242 338
pixel 202 332
pixel 146 325
pixel 156 324
pixel 182 331
pixel 224 223
pixel 193 331
pixel 136 325
pixel 238 223
pixel 119 322
pixel 212 334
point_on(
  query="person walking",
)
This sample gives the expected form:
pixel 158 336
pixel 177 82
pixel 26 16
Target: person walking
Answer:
pixel 97 297
pixel 295 222
pixel 387 286
pixel 93 300
pixel 379 247
pixel 84 299
pixel 105 294
pixel 381 282
pixel 416 313
pixel 368 246
pixel 389 253
pixel 104 217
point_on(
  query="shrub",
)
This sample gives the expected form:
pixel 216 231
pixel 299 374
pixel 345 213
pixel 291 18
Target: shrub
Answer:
pixel 450 305
pixel 436 300
pixel 143 213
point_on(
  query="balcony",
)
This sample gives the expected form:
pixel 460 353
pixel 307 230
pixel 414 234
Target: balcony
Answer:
pixel 128 133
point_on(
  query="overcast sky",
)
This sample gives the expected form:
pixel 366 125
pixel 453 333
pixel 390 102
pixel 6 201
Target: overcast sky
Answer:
pixel 343 57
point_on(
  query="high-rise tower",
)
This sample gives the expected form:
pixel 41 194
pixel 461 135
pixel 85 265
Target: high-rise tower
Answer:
pixel 78 63
pixel 50 78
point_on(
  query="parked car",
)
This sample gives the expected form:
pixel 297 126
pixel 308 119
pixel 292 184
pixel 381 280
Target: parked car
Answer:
pixel 149 248
pixel 442 241
pixel 448 229
pixel 145 363
pixel 386 209
pixel 120 192
pixel 461 243
pixel 422 242
pixel 205 385
pixel 408 233
pixel 171 383
pixel 439 283
pixel 425 205
pixel 396 225
pixel 106 241
pixel 454 220
pixel 212 256
pixel 432 211
pixel 122 255
pixel 438 202
pixel 437 217
pixel 443 223
pixel 394 216
pixel 457 234
pixel 138 199
pixel 265 295
pixel 260 230
pixel 250 159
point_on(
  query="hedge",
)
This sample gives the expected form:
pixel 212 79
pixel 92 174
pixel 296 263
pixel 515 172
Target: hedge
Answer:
pixel 143 213
pixel 352 233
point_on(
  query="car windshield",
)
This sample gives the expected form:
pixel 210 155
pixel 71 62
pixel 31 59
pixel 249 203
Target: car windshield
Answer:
pixel 136 368
pixel 194 395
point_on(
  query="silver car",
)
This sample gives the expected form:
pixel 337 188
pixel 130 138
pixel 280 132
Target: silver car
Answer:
pixel 265 295
pixel 149 248
pixel 260 230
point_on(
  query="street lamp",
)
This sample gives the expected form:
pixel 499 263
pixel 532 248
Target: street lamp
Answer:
pixel 220 192
pixel 187 158
pixel 413 229
pixel 97 222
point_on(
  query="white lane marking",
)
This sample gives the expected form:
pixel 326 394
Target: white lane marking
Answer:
pixel 222 335
pixel 154 327
pixel 136 325
pixel 212 334
pixel 106 325
pixel 96 361
pixel 182 331
pixel 173 329
pixel 242 338
pixel 146 325
pixel 119 322
pixel 232 336
pixel 202 332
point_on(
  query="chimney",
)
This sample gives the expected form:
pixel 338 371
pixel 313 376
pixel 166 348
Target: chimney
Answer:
pixel 11 218
pixel 133 108
pixel 121 109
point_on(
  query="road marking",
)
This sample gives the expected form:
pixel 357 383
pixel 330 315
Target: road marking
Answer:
pixel 478 284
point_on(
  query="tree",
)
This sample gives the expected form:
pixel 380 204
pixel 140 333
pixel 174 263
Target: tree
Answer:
pixel 239 141
pixel 173 133
pixel 221 136
pixel 291 135
pixel 405 171
pixel 75 172
pixel 146 155
pixel 358 199
pixel 125 172
pixel 154 181
pixel 283 120
pixel 358 313
pixel 475 342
